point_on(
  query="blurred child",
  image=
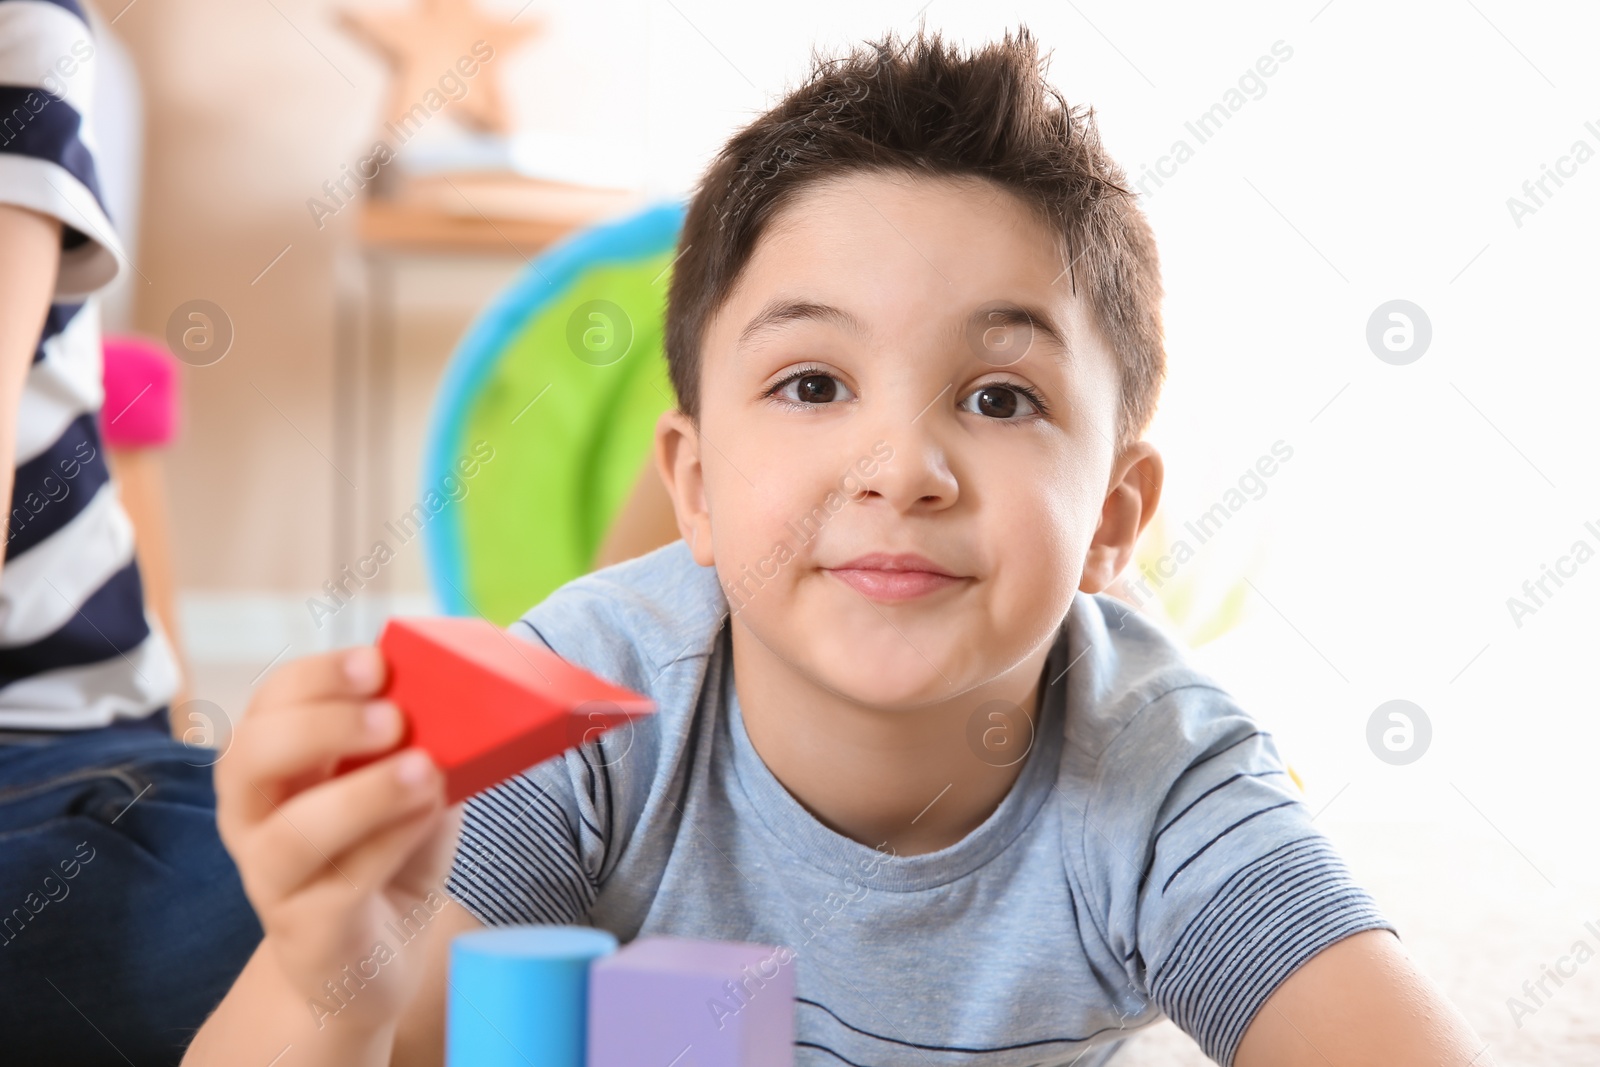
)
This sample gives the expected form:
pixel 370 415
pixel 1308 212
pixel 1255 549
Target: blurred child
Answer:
pixel 122 919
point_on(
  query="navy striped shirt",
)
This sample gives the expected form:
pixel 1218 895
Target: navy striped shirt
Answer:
pixel 1153 859
pixel 77 648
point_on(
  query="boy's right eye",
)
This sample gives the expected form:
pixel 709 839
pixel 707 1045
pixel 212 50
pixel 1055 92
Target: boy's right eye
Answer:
pixel 810 387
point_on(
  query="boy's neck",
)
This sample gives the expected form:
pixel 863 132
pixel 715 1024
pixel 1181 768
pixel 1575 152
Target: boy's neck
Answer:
pixel 908 778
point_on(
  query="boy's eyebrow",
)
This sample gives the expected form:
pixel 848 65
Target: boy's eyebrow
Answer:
pixel 779 312
pixel 1012 314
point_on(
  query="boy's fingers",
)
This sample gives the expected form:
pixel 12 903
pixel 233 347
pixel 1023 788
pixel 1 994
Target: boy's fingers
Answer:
pixel 274 755
pixel 428 866
pixel 374 862
pixel 304 835
pixel 348 674
pixel 409 858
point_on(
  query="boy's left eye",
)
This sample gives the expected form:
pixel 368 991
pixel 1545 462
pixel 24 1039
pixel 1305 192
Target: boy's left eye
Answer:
pixel 1002 400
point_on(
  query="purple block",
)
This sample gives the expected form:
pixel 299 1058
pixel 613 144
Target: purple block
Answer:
pixel 677 1002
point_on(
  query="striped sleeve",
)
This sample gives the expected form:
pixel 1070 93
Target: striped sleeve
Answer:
pixel 1218 886
pixel 47 151
pixel 534 848
pixel 544 846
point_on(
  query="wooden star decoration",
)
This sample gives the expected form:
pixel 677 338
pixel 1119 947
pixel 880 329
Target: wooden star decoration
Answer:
pixel 431 48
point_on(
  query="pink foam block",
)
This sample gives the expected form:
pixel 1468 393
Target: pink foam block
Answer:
pixel 141 405
pixel 672 1000
pixel 487 705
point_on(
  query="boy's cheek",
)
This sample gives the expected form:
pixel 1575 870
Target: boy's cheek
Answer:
pixel 1038 560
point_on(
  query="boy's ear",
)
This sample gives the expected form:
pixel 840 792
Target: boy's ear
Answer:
pixel 1130 504
pixel 678 462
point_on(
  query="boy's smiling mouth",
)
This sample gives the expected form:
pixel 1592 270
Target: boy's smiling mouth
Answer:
pixel 887 577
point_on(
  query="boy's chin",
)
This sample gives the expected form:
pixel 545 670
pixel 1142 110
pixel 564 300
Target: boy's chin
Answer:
pixel 889 682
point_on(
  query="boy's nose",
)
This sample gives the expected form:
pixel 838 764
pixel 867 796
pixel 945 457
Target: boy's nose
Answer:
pixel 916 474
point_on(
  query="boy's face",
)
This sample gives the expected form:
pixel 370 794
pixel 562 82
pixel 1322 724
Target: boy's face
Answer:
pixel 912 431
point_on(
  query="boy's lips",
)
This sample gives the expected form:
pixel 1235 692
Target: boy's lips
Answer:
pixel 882 576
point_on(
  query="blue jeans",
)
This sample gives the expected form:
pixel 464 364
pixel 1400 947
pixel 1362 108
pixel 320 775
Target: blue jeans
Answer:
pixel 122 918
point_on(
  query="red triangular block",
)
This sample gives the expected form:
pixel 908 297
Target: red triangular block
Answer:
pixel 487 705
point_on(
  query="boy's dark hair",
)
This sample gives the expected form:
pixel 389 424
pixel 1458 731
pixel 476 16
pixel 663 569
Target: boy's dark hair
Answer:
pixel 923 108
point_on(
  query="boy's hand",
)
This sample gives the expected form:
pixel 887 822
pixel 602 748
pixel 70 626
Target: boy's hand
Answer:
pixel 329 863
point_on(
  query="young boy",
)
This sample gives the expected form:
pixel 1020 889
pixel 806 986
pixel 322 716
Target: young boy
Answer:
pixel 915 338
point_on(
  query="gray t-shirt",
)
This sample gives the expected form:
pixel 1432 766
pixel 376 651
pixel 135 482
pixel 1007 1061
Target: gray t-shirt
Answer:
pixel 1153 858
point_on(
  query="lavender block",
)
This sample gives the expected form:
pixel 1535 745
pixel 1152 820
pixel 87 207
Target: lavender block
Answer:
pixel 677 1002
